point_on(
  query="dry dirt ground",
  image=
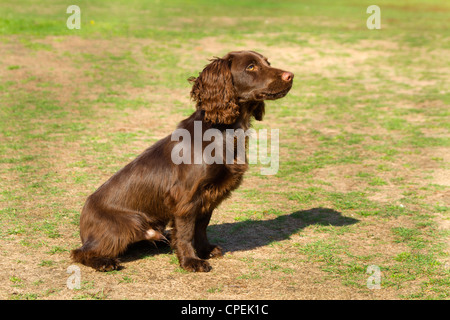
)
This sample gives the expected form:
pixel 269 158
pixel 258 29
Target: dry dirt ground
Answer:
pixel 276 247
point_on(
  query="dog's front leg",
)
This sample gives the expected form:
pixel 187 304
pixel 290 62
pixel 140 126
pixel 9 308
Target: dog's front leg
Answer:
pixel 204 249
pixel 182 242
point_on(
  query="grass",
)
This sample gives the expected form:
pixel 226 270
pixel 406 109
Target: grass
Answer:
pixel 363 144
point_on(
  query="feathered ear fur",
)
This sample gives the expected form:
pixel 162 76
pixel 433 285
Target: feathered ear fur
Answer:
pixel 214 92
pixel 258 111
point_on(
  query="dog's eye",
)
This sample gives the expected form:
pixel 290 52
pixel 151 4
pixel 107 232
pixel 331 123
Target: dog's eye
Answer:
pixel 251 67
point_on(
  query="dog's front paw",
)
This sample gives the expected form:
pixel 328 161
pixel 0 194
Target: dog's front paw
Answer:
pixel 216 252
pixel 212 251
pixel 195 265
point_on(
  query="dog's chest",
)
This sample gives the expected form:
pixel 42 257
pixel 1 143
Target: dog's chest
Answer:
pixel 227 179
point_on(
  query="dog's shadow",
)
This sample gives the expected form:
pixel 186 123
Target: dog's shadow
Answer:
pixel 250 234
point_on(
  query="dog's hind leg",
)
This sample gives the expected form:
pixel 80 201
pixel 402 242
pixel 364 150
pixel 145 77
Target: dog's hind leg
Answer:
pixel 105 234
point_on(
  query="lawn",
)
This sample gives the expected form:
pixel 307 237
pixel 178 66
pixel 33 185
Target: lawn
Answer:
pixel 364 173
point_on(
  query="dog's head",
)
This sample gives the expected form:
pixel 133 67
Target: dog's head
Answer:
pixel 238 77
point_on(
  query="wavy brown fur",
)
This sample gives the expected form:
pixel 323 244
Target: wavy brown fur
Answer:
pixel 140 200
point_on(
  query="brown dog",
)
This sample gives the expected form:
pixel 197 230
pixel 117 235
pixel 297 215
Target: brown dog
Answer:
pixel 140 200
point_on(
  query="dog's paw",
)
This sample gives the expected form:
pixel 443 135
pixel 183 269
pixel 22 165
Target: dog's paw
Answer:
pixel 216 252
pixel 195 265
pixel 212 251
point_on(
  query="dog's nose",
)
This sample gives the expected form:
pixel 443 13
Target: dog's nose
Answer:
pixel 287 76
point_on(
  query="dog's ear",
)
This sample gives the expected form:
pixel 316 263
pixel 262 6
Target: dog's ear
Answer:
pixel 258 110
pixel 214 93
